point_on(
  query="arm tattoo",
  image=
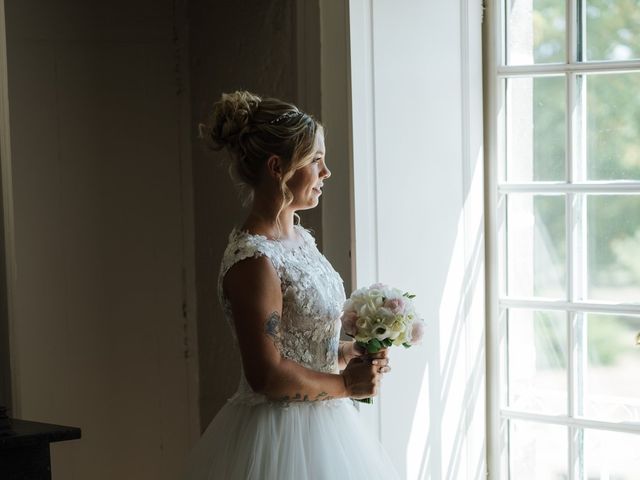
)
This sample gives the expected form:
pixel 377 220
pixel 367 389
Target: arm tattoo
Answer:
pixel 272 328
pixel 272 325
pixel 299 398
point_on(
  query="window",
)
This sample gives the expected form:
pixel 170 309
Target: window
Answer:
pixel 564 178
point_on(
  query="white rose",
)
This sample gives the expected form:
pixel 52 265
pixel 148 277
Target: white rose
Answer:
pixel 398 325
pixel 363 323
pixel 381 331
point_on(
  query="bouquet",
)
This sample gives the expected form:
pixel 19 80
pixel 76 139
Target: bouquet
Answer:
pixel 381 316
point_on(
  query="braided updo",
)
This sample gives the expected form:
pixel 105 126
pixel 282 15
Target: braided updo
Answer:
pixel 253 129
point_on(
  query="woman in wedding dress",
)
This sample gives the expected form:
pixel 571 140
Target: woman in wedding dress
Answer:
pixel 293 416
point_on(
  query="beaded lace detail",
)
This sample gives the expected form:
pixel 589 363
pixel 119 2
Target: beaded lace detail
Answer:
pixel 312 299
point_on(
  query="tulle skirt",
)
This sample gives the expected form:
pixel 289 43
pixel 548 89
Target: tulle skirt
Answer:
pixel 322 440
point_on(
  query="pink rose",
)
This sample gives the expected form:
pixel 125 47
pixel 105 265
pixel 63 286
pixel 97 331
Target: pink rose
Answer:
pixel 417 332
pixel 396 305
pixel 349 322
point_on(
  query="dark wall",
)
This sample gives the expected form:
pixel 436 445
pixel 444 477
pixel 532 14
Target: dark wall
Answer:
pixel 249 45
pixel 5 372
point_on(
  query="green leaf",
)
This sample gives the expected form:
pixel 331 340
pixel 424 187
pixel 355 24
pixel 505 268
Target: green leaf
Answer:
pixel 406 345
pixel 374 346
pixel 365 400
pixel 387 342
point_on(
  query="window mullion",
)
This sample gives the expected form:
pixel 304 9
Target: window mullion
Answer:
pixel 579 241
pixel 548 69
pixel 570 229
pixel 572 175
pixel 574 373
pixel 577 91
pixel 601 187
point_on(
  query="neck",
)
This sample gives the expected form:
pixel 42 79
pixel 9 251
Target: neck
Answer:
pixel 263 214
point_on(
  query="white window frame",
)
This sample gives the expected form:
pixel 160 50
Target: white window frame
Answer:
pixel 496 71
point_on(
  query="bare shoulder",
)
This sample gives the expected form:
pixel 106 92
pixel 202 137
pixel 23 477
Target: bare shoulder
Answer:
pixel 252 287
pixel 249 278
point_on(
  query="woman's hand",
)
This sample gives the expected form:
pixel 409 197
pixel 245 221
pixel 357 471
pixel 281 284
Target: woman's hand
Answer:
pixel 362 374
pixel 351 350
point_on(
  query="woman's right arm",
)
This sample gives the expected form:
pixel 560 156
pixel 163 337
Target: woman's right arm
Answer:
pixel 252 288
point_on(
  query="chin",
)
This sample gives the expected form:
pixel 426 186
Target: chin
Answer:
pixel 313 203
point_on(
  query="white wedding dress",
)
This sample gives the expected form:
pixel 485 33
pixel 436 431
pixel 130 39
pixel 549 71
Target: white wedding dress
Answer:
pixel 254 438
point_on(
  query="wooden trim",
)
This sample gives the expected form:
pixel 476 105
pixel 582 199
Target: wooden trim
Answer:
pixel 8 209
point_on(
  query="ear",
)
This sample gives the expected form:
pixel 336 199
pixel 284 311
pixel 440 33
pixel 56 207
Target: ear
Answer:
pixel 274 167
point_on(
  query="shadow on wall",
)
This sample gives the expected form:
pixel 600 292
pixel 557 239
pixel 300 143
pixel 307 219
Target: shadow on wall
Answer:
pixel 434 397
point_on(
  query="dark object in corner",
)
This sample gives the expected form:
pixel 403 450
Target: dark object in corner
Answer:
pixel 5 421
pixel 24 447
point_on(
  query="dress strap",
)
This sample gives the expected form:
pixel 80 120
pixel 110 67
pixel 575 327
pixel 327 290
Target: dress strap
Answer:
pixel 246 245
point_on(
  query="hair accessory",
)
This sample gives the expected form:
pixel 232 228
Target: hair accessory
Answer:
pixel 286 115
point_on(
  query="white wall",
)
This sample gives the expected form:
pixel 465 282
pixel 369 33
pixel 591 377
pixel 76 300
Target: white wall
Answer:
pixel 418 205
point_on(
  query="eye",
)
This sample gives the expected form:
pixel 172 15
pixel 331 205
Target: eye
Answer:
pixel 317 159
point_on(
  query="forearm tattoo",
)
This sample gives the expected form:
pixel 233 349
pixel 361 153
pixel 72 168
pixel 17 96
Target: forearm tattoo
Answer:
pixel 300 398
pixel 272 325
pixel 272 328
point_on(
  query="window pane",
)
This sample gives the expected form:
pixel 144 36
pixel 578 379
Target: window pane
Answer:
pixel 537 451
pixel 613 126
pixel 611 455
pixel 536 129
pixel 536 246
pixel 537 357
pixel 613 29
pixel 536 32
pixel 613 236
pixel 612 385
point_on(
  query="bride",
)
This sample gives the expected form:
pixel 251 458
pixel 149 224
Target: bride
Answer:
pixel 293 415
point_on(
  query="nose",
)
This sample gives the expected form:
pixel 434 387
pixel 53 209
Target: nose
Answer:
pixel 326 173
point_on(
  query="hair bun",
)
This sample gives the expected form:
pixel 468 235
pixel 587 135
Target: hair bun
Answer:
pixel 230 117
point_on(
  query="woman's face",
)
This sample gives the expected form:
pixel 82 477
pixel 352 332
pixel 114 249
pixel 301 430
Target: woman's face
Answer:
pixel 306 183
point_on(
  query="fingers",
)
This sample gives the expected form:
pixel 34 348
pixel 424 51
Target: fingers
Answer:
pixel 380 354
pixel 380 369
pixel 381 365
pixel 364 377
pixel 380 361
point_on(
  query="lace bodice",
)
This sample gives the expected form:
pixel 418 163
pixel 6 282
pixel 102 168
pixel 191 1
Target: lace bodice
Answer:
pixel 312 299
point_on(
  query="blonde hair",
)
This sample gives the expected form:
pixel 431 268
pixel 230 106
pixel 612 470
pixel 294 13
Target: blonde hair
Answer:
pixel 252 129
